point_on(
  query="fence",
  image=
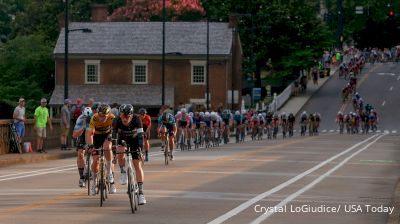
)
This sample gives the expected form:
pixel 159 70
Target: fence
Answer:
pixel 52 140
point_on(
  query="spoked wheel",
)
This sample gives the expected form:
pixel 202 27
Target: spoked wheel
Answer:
pixel 131 191
pixel 88 171
pixel 166 155
pixel 102 186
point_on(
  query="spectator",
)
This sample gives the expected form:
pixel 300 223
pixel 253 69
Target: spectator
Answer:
pixel 90 102
pixel 41 118
pixel 65 122
pixel 77 110
pixel 114 109
pixel 19 119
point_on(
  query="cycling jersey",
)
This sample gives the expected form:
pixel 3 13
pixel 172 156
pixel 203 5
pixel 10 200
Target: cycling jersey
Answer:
pixel 183 120
pixel 146 122
pixel 131 133
pixel 101 127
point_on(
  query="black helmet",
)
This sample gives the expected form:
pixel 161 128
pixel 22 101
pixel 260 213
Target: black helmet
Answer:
pixel 104 109
pixel 95 106
pixel 126 109
pixel 142 111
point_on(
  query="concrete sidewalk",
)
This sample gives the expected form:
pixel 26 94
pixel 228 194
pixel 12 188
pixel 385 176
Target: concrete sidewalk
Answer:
pixel 52 154
pixel 294 105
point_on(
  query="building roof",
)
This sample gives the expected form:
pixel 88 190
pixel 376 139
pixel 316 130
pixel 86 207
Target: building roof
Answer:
pixel 145 38
pixel 137 95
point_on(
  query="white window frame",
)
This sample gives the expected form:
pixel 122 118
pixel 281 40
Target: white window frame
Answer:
pixel 96 63
pixel 140 62
pixel 198 63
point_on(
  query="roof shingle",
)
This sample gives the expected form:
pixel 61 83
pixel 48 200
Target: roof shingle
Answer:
pixel 145 38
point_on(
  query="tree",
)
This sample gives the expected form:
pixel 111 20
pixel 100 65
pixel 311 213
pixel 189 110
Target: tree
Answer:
pixel 151 10
pixel 26 68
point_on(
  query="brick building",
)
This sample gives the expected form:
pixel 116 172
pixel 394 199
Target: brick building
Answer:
pixel 121 62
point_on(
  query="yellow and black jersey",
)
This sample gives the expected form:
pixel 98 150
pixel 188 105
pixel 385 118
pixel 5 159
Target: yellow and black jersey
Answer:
pixel 99 126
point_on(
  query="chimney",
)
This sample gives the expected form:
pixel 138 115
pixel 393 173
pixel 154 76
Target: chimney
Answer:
pixel 233 21
pixel 99 12
pixel 61 21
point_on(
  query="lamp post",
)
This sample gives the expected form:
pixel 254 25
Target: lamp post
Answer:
pixel 163 57
pixel 66 33
pixel 207 67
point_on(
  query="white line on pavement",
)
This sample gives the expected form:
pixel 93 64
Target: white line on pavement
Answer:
pixel 312 184
pixel 259 197
pixel 391 88
pixel 36 174
pixel 384 102
pixel 36 171
pixel 394 132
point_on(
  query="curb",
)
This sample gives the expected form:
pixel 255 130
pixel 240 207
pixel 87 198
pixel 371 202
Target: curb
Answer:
pixel 34 157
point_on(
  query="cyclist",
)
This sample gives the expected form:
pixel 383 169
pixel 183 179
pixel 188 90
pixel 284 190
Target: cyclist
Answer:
pixel 167 125
pixel 183 121
pixel 100 130
pixel 237 120
pixel 340 121
pixel 228 121
pixel 146 122
pixel 303 123
pixel 284 124
pixel 291 120
pixel 275 125
pixel 129 129
pixel 79 133
pixel 317 122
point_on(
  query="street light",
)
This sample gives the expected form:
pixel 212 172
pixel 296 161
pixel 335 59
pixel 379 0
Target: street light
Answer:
pixel 163 57
pixel 66 31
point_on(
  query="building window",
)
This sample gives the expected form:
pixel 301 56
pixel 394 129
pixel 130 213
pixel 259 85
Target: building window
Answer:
pixel 92 71
pixel 140 72
pixel 198 72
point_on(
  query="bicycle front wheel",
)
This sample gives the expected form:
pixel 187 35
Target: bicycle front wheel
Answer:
pixel 166 150
pixel 131 190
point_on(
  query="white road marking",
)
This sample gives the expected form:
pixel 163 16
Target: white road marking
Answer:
pixel 391 88
pixel 394 132
pixel 312 184
pixel 384 102
pixel 323 131
pixel 386 131
pixel 382 73
pixel 37 171
pixel 261 196
pixel 378 131
pixel 331 131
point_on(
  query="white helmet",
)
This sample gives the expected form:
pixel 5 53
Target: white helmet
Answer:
pixel 207 113
pixel 237 112
pixel 183 110
pixel 87 112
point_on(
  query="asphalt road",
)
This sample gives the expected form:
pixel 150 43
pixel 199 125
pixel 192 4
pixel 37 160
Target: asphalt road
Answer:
pixel 378 85
pixel 323 172
pixel 329 178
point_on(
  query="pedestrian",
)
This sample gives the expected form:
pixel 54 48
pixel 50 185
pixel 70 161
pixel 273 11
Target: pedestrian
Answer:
pixel 19 119
pixel 77 110
pixel 115 109
pixel 65 122
pixel 41 118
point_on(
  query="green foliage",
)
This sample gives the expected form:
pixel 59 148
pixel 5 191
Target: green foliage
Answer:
pixel 26 68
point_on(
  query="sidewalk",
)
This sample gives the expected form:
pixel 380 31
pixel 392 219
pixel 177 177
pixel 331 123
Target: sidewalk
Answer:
pixel 295 103
pixel 52 154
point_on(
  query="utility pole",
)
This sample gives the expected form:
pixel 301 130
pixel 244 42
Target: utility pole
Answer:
pixel 339 34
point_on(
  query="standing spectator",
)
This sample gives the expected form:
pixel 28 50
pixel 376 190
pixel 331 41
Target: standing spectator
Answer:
pixel 114 109
pixel 90 102
pixel 19 119
pixel 41 119
pixel 65 122
pixel 77 110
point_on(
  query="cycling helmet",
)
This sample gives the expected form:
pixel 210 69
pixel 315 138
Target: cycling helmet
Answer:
pixel 142 111
pixel 340 112
pixel 87 112
pixel 201 113
pixel 95 106
pixel 237 112
pixel 183 110
pixel 126 109
pixel 104 109
pixel 207 114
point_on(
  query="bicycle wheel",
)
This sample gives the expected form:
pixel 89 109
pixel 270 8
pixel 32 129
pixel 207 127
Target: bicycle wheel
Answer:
pixel 87 174
pixel 131 190
pixel 166 149
pixel 102 185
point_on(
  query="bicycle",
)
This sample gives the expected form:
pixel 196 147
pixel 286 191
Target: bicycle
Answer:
pixel 87 169
pixel 133 187
pixel 181 140
pixel 15 146
pixel 165 146
pixel 102 184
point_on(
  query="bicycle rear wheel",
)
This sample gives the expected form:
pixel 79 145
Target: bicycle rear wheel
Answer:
pixel 131 191
pixel 166 150
pixel 87 174
pixel 102 186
